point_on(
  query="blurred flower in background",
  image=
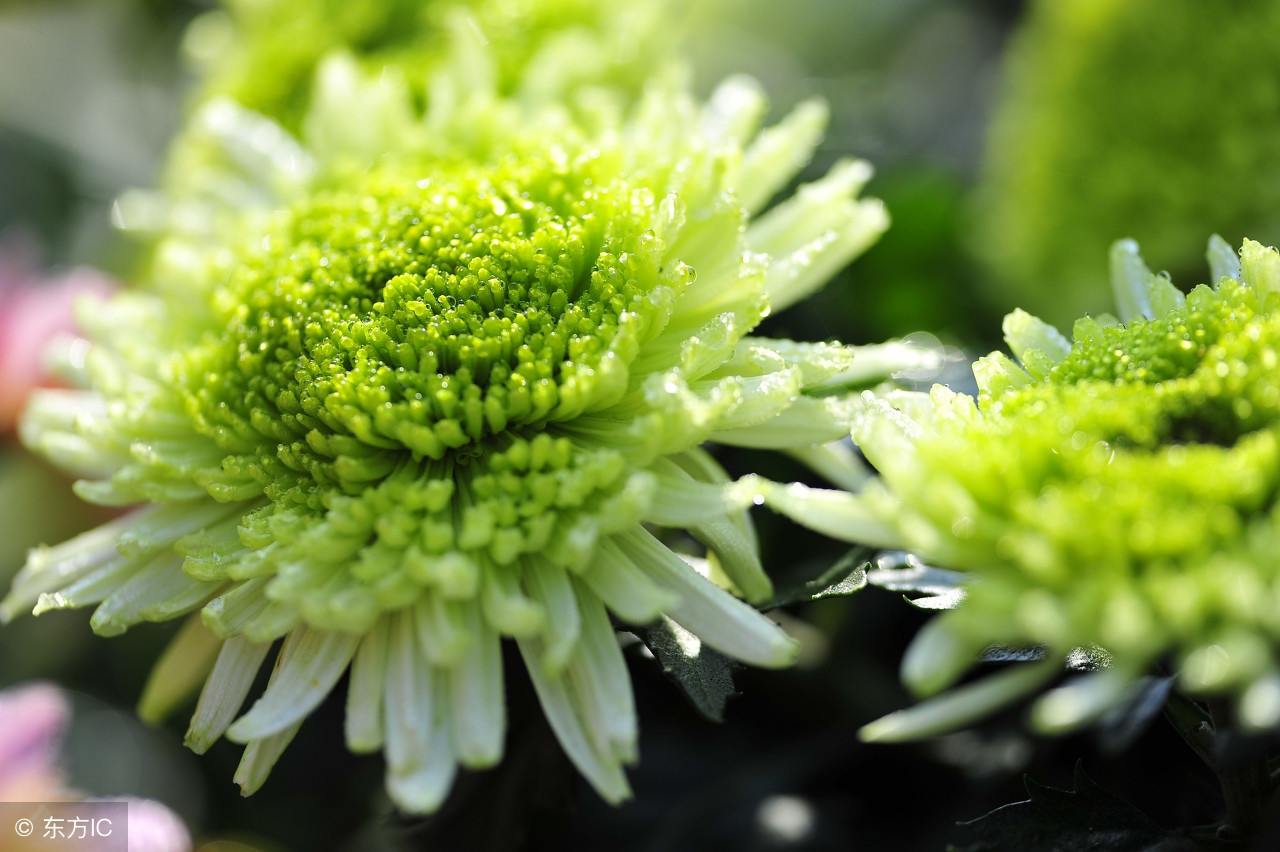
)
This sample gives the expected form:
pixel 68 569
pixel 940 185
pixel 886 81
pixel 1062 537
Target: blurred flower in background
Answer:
pixel 264 53
pixel 1127 119
pixel 33 720
pixel 34 309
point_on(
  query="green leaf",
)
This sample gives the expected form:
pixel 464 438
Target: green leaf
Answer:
pixel 704 675
pixel 1193 724
pixel 1086 818
pixel 847 576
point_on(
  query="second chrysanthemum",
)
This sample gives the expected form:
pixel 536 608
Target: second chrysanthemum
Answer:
pixel 1111 498
pixel 447 394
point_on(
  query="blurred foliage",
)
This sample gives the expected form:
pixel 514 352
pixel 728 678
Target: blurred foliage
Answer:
pixel 264 53
pixel 1128 118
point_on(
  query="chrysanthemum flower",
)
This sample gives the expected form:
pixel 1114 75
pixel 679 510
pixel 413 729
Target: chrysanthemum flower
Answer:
pixel 1118 492
pixel 425 383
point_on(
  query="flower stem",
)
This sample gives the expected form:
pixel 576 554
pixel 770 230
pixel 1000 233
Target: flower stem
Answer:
pixel 1246 786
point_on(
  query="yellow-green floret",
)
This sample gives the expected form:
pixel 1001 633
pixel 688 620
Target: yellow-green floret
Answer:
pixel 1120 490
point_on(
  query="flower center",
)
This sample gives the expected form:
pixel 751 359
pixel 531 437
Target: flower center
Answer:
pixel 427 316
pixel 1199 375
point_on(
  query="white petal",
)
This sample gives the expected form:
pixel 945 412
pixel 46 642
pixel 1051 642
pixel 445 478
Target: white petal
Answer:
pixel 158 592
pixel 715 616
pixel 838 514
pixel 225 691
pixel 506 607
pixel 961 706
pixel 836 461
pixel 478 717
pixel 936 657
pixel 365 690
pixel 1129 280
pixel 410 697
pixel 737 554
pixel 1260 267
pixel 162 527
pixel 441 624
pixel 805 420
pixel 734 110
pixel 310 664
pixel 51 569
pixel 1080 701
pixel 94 587
pixel 775 156
pixel 183 667
pixel 1024 332
pixel 679 500
pixel 601 684
pixel 424 787
pixel 549 584
pixel 247 610
pixel 625 589
pixel 604 771
pixel 1223 260
pixel 259 757
pixel 803 269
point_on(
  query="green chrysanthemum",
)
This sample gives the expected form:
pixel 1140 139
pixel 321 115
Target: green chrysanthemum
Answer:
pixel 1134 118
pixel 424 383
pixel 1121 492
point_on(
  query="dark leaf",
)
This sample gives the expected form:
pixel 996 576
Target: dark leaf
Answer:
pixel 847 576
pixel 703 674
pixel 1012 654
pixel 1193 724
pixel 1119 727
pixel 1087 818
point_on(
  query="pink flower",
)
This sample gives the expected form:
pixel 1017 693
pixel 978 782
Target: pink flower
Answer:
pixel 33 309
pixel 32 720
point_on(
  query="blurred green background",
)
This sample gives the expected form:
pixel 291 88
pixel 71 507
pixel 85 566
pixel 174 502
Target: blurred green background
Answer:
pixel 1105 126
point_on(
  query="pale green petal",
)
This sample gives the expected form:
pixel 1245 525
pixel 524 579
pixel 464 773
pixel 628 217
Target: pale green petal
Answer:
pixel 180 672
pixel 717 617
pixel 1130 279
pixel 365 690
pixel 604 771
pixel 310 664
pixel 775 156
pixel 961 706
pixel 225 691
pixel 477 709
